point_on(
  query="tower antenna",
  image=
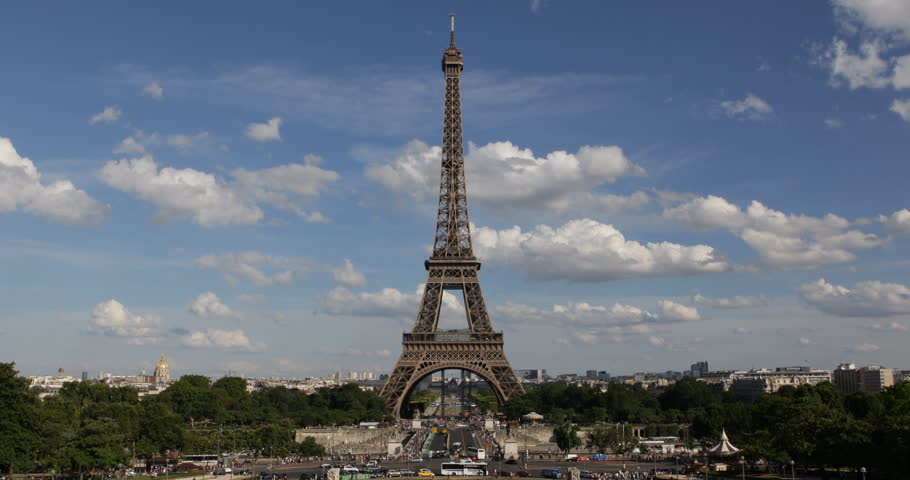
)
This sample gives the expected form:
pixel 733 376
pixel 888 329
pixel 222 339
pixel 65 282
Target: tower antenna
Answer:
pixel 452 31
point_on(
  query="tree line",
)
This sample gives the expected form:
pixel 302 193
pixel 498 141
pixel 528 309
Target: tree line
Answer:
pixel 815 426
pixel 90 426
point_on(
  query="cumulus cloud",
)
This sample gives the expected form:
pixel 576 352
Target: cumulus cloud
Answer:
pixel 188 143
pixel 589 251
pixel 261 269
pixel 751 107
pixel 209 201
pixel 153 90
pixel 902 108
pixel 785 241
pixel 129 146
pixel 898 223
pixel 388 303
pixel 108 115
pixel 112 319
pixel 208 304
pixel 865 299
pixel 265 132
pixel 738 301
pixel 886 16
pixel 21 188
pixel 232 340
pixel 591 324
pixel 346 274
pixel 503 175
pixel 864 347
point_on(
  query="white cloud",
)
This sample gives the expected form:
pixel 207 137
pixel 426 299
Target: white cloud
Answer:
pixel 864 347
pixel 346 274
pixel 785 241
pixel 265 132
pixel 591 324
pixel 589 251
pixel 865 299
pixel 898 223
pixel 834 123
pixel 806 341
pixel 263 270
pixel 902 108
pixel 867 69
pixel 388 303
pixel 732 302
pixel 187 143
pixel 111 318
pixel 503 175
pixel 153 90
pixel 234 340
pixel 888 16
pixel 892 326
pixel 108 115
pixel 208 304
pixel 209 201
pixel 751 107
pixel 21 187
pixel 129 145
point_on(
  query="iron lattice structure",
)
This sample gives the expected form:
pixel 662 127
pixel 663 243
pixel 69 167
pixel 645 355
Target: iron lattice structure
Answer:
pixel 452 266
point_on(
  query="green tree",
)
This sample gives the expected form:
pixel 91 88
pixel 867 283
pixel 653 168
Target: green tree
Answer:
pixel 19 421
pixel 566 436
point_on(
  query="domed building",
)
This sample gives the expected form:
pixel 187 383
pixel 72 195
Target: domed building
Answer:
pixel 162 371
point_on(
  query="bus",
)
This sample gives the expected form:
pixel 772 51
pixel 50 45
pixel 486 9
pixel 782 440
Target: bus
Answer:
pixel 477 453
pixel 463 469
pixel 208 460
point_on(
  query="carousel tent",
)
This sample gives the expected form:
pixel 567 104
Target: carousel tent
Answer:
pixel 723 448
pixel 532 417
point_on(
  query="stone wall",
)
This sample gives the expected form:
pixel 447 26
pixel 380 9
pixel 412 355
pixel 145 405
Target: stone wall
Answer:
pixel 353 440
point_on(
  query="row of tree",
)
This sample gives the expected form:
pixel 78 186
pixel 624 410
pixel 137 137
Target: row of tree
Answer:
pixel 816 426
pixel 88 426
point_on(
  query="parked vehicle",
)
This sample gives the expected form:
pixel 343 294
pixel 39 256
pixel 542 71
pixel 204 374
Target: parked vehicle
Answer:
pixel 551 473
pixel 523 474
pixel 425 472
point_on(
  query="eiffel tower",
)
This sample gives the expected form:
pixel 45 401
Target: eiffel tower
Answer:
pixel 452 266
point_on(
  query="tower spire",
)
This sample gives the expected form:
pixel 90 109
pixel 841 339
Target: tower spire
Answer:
pixel 452 31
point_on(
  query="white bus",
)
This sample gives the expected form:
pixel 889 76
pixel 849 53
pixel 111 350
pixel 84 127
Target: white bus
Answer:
pixel 463 469
pixel 207 460
pixel 477 453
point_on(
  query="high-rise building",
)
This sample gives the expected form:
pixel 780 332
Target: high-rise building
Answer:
pixel 531 375
pixel 84 376
pixel 871 378
pixel 162 371
pixel 698 369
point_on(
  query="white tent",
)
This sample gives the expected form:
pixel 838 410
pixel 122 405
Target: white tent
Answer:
pixel 724 447
pixel 533 417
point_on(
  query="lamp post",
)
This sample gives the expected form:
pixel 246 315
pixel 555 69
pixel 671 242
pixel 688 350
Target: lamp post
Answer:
pixel 863 471
pixel 742 463
pixel 792 469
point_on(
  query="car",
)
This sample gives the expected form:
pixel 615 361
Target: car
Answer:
pixel 327 465
pixel 523 474
pixel 425 472
pixel 505 473
pixel 415 459
pixel 407 473
pixel 394 473
pixel 372 463
pixel 511 461
pixel 552 473
pixel 587 474
pixel 350 469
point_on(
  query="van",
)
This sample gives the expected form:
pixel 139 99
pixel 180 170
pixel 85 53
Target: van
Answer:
pixel 551 473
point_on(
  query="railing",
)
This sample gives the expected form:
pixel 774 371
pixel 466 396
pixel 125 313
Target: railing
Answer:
pixel 454 336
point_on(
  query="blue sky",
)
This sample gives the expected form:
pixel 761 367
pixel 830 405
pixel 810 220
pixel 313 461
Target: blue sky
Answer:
pixel 252 188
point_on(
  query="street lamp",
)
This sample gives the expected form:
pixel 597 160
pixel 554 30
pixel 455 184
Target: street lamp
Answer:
pixel 863 471
pixel 742 463
pixel 792 469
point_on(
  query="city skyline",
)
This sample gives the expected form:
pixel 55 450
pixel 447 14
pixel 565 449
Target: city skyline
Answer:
pixel 648 185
